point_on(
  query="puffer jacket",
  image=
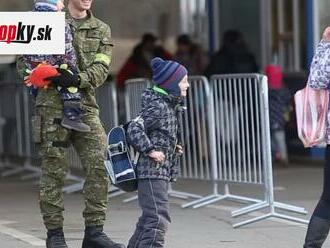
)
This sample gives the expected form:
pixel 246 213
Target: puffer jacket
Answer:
pixel 157 129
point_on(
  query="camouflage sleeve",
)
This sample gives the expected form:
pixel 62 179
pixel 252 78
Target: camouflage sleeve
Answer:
pixel 97 73
pixel 138 129
pixel 21 67
pixel 319 76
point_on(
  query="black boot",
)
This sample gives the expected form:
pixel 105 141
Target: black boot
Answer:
pixel 55 239
pixel 96 238
pixel 72 117
pixel 317 232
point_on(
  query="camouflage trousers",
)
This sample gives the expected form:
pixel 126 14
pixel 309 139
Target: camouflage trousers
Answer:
pixel 54 141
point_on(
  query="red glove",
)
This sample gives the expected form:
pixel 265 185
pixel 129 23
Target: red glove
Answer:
pixel 39 75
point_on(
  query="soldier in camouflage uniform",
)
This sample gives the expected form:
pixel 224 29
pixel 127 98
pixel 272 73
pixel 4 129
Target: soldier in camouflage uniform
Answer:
pixel 93 49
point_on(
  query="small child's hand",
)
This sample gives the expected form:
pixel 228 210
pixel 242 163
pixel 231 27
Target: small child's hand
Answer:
pixel 326 34
pixel 157 156
pixel 179 149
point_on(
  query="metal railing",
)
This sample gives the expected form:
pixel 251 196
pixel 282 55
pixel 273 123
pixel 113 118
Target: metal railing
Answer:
pixel 240 144
pixel 16 110
pixel 226 138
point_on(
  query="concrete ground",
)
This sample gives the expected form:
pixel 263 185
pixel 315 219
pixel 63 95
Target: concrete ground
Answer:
pixel 209 227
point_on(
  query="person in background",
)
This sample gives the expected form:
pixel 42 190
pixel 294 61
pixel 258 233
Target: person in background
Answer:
pixel 138 64
pixel 190 55
pixel 233 56
pixel 279 99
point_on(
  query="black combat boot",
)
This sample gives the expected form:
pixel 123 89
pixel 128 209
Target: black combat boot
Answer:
pixel 72 117
pixel 55 239
pixel 96 238
pixel 317 232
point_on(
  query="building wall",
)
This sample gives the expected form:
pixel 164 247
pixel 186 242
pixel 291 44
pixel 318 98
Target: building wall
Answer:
pixel 243 16
pixel 324 13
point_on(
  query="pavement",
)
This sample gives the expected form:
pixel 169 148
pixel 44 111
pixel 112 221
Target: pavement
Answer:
pixel 208 227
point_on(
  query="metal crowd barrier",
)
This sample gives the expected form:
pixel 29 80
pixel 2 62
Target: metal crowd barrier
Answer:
pixel 17 151
pixel 3 163
pixel 2 123
pixel 226 138
pixel 17 148
pixel 133 91
pixel 240 144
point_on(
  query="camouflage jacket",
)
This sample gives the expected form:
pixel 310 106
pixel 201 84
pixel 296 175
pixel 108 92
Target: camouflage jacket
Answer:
pixel 319 76
pixel 159 132
pixel 91 41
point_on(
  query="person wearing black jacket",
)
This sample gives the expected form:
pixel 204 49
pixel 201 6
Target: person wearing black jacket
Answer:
pixel 233 57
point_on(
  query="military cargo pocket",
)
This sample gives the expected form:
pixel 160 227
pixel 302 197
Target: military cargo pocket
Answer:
pixel 54 132
pixel 36 128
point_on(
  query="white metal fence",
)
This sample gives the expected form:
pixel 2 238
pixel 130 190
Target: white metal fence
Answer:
pixel 239 141
pixel 225 134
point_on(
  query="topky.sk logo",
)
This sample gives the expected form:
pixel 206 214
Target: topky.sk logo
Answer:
pixel 23 33
pixel 32 33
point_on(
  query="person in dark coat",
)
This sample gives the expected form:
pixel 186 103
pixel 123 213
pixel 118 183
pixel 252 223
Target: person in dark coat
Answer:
pixel 155 135
pixel 190 55
pixel 279 100
pixel 233 57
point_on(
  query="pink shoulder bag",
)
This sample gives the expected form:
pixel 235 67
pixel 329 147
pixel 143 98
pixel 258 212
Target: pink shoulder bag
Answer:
pixel 311 112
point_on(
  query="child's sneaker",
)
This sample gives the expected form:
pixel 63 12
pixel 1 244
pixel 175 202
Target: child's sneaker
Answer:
pixel 72 117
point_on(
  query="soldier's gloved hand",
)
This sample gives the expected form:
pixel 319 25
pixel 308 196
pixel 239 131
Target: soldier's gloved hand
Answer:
pixel 65 79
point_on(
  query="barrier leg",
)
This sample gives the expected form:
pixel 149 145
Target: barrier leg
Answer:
pixel 207 198
pixel 215 197
pixel 253 220
pixel 249 209
pixel 12 172
pixel 26 167
pixel 133 198
pixel 115 193
pixel 205 203
pixel 241 199
pixel 177 195
pixel 203 199
pixel 31 176
pixel 74 178
pixel 180 194
pixel 290 218
pixel 291 208
pixel 271 215
pixel 76 187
